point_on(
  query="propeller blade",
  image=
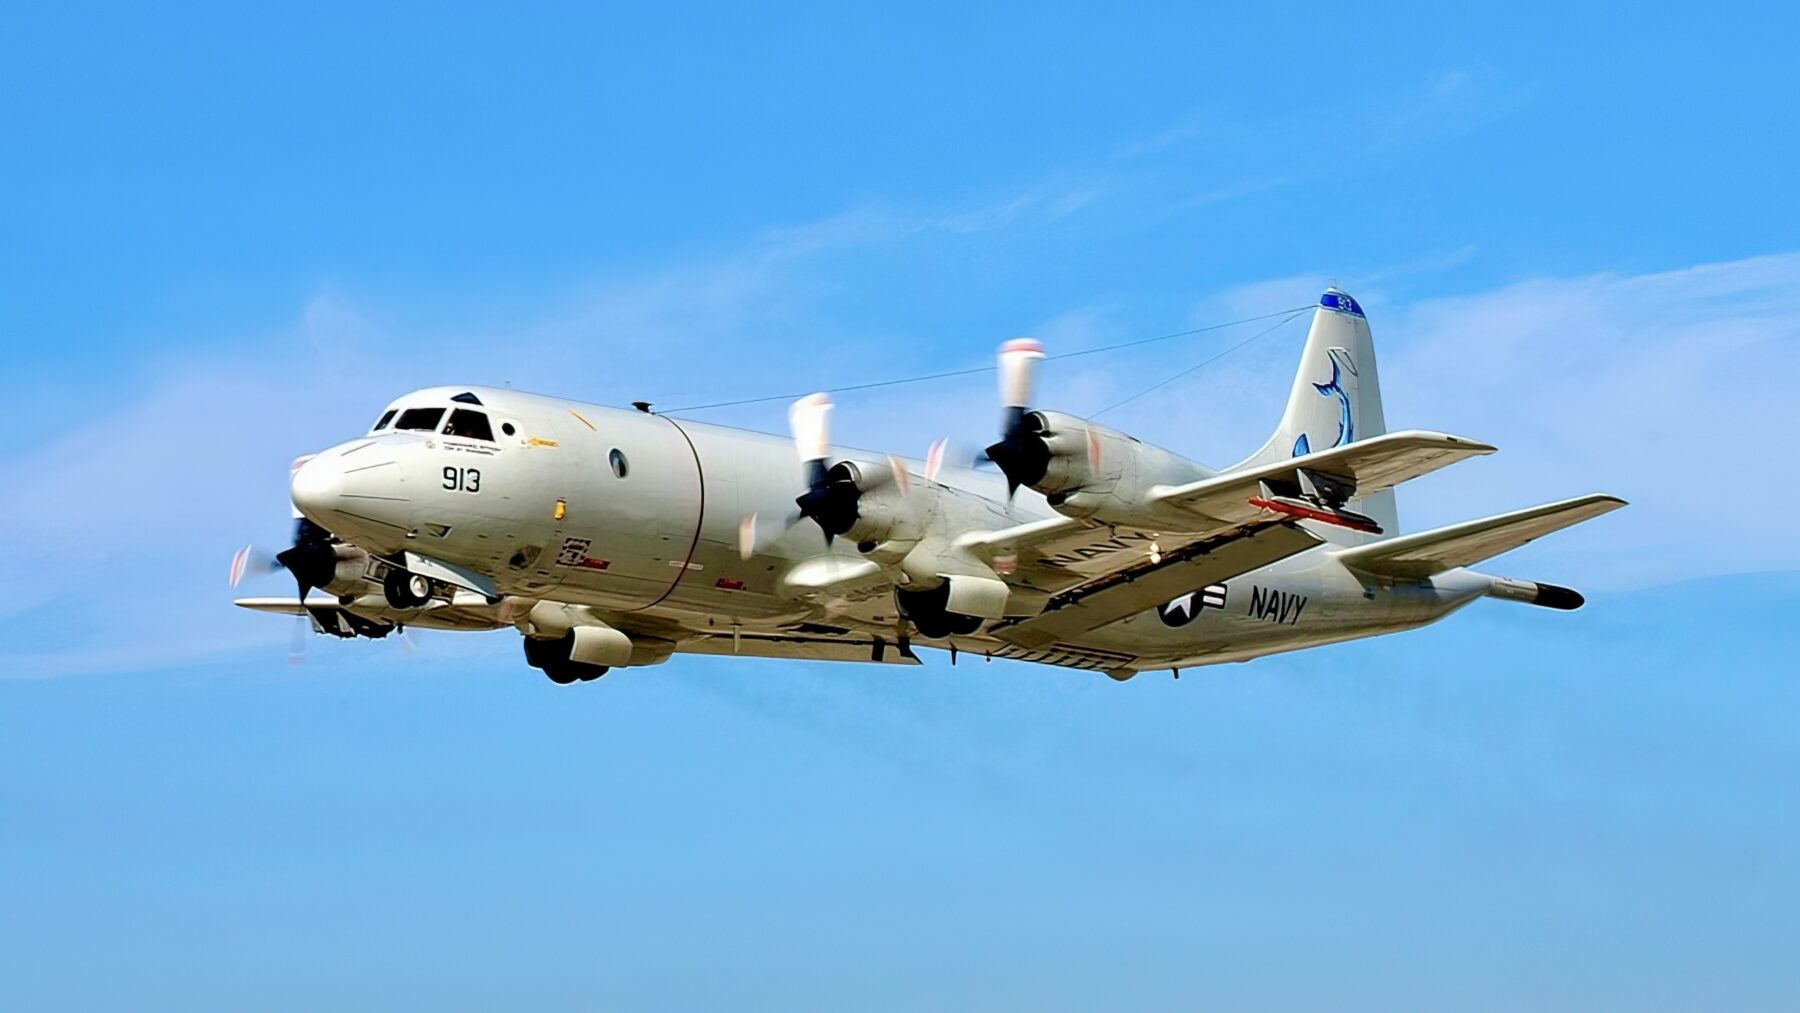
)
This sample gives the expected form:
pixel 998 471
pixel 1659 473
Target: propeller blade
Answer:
pixel 902 477
pixel 250 561
pixel 809 419
pixel 1018 367
pixel 934 458
pixel 297 646
pixel 755 532
pixel 747 536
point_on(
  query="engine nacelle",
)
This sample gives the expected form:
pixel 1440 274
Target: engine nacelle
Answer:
pixel 1090 471
pixel 884 512
pixel 348 570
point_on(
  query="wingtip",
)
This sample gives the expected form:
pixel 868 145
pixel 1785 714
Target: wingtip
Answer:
pixel 1605 500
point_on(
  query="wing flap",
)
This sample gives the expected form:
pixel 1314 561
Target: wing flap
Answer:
pixel 1413 557
pixel 1132 589
pixel 851 647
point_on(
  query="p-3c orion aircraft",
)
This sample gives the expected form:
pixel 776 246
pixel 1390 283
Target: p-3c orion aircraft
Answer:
pixel 611 537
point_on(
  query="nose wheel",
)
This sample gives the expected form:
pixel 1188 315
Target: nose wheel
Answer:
pixel 552 658
pixel 405 590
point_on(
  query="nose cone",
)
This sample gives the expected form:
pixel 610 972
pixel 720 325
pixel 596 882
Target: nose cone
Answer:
pixel 356 491
pixel 318 488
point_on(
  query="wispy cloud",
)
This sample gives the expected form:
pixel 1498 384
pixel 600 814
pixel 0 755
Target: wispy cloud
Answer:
pixel 876 225
pixel 1222 154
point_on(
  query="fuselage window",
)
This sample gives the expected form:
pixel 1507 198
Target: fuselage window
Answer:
pixel 470 425
pixel 619 465
pixel 386 417
pixel 420 418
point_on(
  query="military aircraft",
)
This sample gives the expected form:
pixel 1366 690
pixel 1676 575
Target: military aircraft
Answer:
pixel 615 538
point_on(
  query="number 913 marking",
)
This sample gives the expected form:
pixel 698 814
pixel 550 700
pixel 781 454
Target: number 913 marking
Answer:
pixel 462 479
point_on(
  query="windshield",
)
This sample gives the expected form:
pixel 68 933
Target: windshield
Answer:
pixel 468 424
pixel 420 418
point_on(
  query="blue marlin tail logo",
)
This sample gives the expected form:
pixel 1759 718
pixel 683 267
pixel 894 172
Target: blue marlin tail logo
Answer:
pixel 1341 363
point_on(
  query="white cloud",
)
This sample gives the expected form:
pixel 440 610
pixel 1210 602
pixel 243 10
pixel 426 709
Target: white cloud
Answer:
pixel 1669 389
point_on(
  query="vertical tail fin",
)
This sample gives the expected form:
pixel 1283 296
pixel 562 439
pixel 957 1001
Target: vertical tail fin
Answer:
pixel 1336 397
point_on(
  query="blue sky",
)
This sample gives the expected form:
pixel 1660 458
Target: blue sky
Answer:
pixel 232 236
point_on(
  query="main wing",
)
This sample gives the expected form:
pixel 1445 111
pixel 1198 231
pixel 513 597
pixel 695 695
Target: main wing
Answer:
pixel 371 615
pixel 1094 574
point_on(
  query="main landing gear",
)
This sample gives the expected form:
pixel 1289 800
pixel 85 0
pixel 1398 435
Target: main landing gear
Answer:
pixel 552 656
pixel 930 615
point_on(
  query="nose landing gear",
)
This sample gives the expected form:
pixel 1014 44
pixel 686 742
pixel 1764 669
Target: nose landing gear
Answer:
pixel 405 590
pixel 552 657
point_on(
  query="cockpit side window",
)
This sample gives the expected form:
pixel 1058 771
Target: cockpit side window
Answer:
pixel 420 418
pixel 470 425
pixel 386 417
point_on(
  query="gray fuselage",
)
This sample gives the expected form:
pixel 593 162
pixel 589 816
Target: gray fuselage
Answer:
pixel 638 515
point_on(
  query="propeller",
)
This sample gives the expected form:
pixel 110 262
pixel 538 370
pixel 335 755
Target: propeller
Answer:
pixel 831 493
pixel 1021 455
pixel 311 559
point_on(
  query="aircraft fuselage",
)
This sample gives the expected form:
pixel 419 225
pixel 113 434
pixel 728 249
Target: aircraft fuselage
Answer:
pixel 638 514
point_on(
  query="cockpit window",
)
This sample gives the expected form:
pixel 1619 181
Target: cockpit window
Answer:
pixel 466 398
pixel 471 425
pixel 420 418
pixel 386 417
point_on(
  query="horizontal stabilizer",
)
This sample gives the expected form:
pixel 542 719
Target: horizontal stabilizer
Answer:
pixel 1414 557
pixel 1367 466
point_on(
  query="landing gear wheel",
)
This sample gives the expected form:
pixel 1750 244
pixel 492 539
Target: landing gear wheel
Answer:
pixel 564 672
pixel 928 614
pixel 545 654
pixel 931 627
pixel 405 590
pixel 962 625
pixel 553 657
